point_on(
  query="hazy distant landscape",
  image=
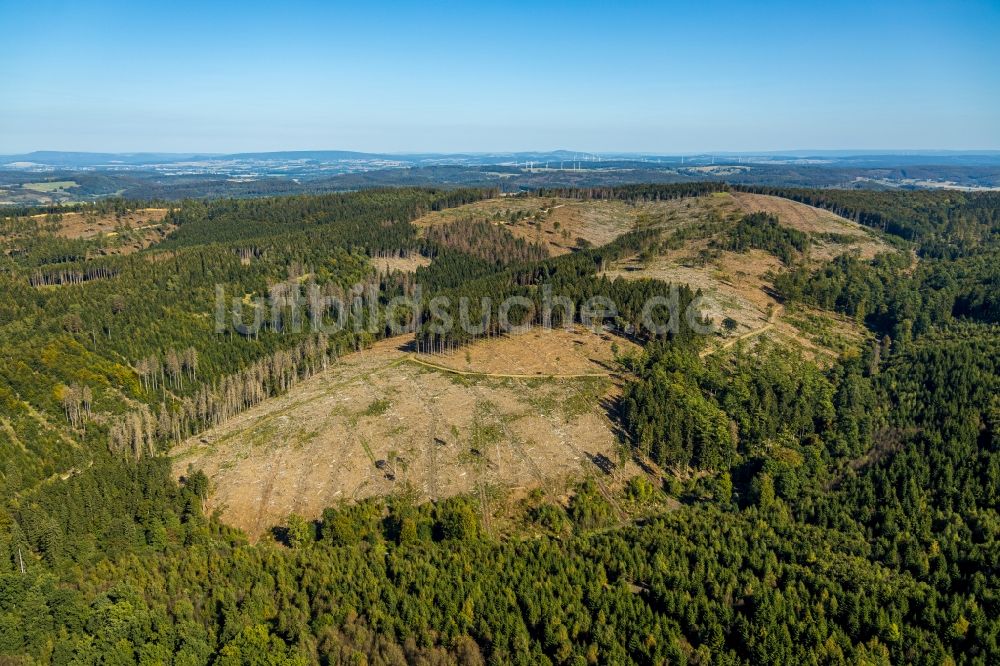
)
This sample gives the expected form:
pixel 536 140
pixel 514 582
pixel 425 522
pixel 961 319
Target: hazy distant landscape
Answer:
pixel 56 177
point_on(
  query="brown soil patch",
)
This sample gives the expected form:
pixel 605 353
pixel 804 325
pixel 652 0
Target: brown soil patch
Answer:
pixel 815 221
pixel 797 215
pixel 539 352
pixel 563 225
pixel 120 234
pixel 739 286
pixel 735 285
pixel 732 285
pixel 557 224
pixel 408 264
pixel 86 225
pixel 378 424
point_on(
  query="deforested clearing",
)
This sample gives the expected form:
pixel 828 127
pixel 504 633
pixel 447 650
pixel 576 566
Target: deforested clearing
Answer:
pixel 109 232
pixel 407 264
pixel 815 221
pixel 562 225
pixel 379 423
pixel 79 225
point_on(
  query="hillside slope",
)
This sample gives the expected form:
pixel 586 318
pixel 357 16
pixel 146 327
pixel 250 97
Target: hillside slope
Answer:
pixel 379 423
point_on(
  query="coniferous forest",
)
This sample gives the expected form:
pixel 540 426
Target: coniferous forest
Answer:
pixel 842 512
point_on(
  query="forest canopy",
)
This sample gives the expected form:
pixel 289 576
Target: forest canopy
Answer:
pixel 786 511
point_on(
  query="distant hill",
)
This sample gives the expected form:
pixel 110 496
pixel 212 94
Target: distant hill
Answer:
pixel 884 159
pixel 55 177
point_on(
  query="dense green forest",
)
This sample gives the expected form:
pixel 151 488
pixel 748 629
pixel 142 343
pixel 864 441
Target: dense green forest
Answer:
pixel 844 513
pixel 764 232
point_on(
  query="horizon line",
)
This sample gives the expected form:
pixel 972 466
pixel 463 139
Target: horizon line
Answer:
pixel 665 153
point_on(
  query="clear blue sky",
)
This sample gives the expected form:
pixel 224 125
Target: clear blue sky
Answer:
pixel 651 77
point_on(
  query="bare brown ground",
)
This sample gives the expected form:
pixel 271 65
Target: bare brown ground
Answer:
pixel 814 221
pixel 739 286
pixel 401 264
pixel 560 224
pixel 539 352
pixel 735 285
pixel 438 434
pixel 80 225
pixel 732 285
pixel 123 234
pixel 797 215
pixel 557 224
